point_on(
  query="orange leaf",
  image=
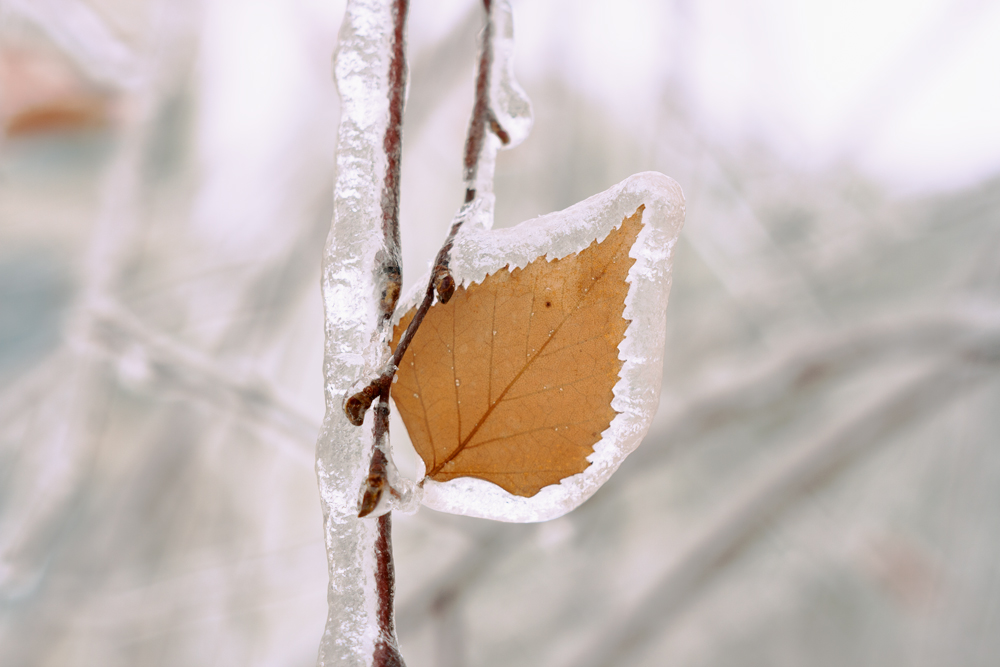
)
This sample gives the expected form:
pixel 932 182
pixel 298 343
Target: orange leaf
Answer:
pixel 511 381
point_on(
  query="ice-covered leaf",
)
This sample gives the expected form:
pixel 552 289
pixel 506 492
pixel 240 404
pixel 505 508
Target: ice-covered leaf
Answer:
pixel 511 380
pixel 528 388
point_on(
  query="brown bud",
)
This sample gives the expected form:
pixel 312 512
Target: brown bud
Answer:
pixel 498 130
pixel 374 487
pixel 445 286
pixel 390 295
pixel 356 405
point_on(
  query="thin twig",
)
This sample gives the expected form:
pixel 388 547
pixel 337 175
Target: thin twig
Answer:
pixel 392 145
pixel 482 113
pixel 386 649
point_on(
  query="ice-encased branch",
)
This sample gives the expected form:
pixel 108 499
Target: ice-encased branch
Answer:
pixel 353 287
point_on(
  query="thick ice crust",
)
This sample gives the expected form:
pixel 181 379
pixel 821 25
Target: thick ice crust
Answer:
pixel 479 252
pixel 354 351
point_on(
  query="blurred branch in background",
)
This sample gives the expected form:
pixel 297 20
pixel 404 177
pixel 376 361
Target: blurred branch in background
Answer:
pixel 820 486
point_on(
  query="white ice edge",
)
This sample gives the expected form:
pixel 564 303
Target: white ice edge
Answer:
pixel 479 252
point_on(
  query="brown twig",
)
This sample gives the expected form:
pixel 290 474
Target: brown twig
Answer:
pixel 480 110
pixel 386 649
pixel 392 145
pixel 391 270
pixel 386 652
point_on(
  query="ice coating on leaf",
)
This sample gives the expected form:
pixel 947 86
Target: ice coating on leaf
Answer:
pixel 479 252
pixel 354 349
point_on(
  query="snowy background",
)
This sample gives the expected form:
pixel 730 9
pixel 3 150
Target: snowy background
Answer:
pixel 820 486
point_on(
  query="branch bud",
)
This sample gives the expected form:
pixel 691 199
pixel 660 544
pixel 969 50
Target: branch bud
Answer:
pixel 356 405
pixel 444 285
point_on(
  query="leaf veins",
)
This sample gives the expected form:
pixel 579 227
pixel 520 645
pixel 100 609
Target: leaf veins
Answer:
pixel 511 380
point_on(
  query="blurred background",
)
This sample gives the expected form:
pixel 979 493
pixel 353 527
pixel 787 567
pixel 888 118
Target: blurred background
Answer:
pixel 821 485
